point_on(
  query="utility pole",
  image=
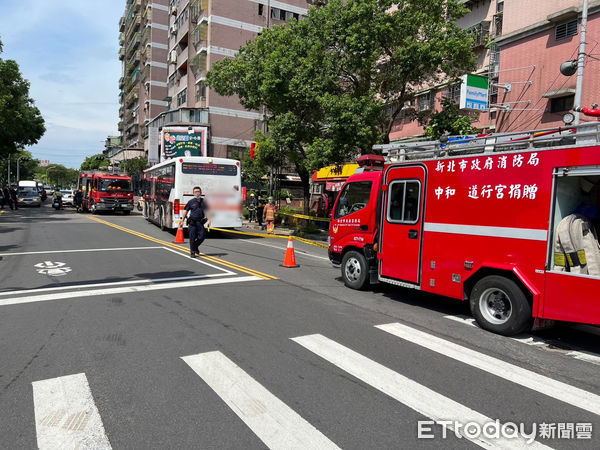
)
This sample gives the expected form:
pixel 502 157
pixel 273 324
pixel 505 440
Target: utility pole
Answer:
pixel 580 60
pixel 8 174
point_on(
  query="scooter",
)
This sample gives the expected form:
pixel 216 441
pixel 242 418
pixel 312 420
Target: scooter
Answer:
pixel 57 204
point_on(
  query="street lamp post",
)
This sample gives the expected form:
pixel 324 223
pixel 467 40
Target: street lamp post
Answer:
pixel 51 167
pixel 24 158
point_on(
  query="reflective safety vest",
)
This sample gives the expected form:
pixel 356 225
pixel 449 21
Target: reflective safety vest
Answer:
pixel 270 212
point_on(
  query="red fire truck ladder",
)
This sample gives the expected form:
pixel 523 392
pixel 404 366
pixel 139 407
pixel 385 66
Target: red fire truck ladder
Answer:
pixel 572 136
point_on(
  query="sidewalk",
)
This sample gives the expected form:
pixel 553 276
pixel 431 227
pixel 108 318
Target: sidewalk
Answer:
pixel 282 231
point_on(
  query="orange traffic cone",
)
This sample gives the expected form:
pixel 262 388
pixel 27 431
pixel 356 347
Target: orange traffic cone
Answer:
pixel 179 236
pixel 290 256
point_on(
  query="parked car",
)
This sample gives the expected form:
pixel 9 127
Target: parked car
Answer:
pixel 28 197
pixel 49 190
pixel 67 196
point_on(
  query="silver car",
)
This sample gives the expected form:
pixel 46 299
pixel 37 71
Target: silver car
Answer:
pixel 28 197
pixel 67 196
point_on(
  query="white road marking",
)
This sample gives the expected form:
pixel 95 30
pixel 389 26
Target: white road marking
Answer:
pixel 52 268
pixel 590 357
pixel 47 252
pixel 298 252
pixel 66 416
pixel 275 423
pixel 200 261
pixel 463 319
pixel 117 283
pixel 124 290
pixel 540 383
pixel 412 394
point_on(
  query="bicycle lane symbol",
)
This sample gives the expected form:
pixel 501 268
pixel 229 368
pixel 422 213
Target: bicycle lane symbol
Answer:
pixel 53 269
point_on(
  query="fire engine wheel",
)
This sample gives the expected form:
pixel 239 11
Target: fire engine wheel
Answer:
pixel 355 270
pixel 93 208
pixel 500 306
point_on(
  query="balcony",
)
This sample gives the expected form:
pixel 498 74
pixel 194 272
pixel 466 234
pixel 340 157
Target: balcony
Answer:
pixel 135 58
pixel 132 96
pixel 121 39
pixel 122 24
pixel 121 53
pixel 121 82
pixel 480 33
pixel 133 26
pixel 146 36
pixel 200 35
pixel 147 14
pixel 198 64
pixel 133 43
pixel 121 126
pixel 182 58
pixel 198 9
pixel 137 4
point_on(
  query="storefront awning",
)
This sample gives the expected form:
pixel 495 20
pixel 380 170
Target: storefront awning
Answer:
pixel 334 173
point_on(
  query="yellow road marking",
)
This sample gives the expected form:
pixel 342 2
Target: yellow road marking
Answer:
pixel 275 236
pixel 181 248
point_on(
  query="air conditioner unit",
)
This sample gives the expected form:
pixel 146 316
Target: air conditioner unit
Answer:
pixel 173 57
pixel 173 29
pixel 134 114
pixel 174 10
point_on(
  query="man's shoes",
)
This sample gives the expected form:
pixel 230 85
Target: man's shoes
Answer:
pixel 193 255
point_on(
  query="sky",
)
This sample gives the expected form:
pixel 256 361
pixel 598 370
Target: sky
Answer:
pixel 68 50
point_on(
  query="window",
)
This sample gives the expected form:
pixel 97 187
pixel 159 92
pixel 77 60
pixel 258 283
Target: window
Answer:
pixel 200 91
pixel 561 104
pixel 566 29
pixel 182 97
pixel 172 80
pixel 354 197
pixel 235 152
pixel 425 101
pixel 454 91
pixel 260 9
pixel 275 13
pixel 403 201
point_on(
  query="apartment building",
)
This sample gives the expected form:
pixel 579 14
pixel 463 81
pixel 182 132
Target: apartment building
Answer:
pixel 520 46
pixel 202 32
pixel 143 51
pixel 535 41
pixel 484 22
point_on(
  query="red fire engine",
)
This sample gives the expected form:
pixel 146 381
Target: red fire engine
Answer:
pixel 103 191
pixel 506 222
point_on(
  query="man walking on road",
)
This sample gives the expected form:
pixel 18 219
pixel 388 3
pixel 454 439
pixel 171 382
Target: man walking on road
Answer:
pixel 197 209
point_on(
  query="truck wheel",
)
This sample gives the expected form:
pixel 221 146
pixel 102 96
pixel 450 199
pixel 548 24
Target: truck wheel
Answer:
pixel 355 270
pixel 500 306
pixel 93 208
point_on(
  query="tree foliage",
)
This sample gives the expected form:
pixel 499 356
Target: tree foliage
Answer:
pixel 57 175
pixel 331 85
pixel 27 166
pixel 95 162
pixel 134 166
pixel 450 120
pixel 21 122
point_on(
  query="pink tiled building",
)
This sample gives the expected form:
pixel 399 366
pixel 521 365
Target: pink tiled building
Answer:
pixel 520 47
pixel 201 32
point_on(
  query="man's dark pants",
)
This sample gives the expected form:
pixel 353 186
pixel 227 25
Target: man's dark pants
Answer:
pixel 197 234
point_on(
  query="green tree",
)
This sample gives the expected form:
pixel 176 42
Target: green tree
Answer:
pixel 332 85
pixel 134 166
pixel 21 123
pixel 450 120
pixel 94 162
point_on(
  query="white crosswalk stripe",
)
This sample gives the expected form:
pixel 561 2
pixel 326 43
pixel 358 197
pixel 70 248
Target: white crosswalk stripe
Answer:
pixel 540 383
pixel 414 395
pixel 66 416
pixel 276 424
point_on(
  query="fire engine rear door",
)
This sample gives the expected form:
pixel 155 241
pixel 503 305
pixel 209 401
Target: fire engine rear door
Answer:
pixel 402 223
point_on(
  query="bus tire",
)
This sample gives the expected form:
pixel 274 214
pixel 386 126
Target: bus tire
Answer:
pixel 161 221
pixel 500 306
pixel 355 270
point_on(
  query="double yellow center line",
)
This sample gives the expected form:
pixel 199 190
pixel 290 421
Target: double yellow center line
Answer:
pixel 180 248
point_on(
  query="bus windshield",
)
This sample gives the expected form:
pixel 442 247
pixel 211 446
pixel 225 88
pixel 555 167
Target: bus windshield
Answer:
pixel 113 185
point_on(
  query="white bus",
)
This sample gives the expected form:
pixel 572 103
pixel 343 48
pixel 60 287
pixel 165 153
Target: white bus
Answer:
pixel 168 186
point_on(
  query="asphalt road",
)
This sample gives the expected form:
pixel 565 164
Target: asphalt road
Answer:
pixel 111 336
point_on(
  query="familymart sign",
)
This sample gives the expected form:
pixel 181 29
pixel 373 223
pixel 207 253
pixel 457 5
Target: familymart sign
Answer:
pixel 474 92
